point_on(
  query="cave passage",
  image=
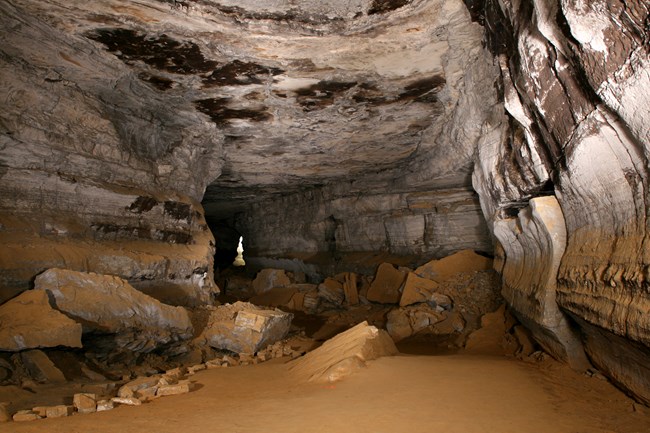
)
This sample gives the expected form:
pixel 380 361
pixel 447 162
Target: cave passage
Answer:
pixel 335 215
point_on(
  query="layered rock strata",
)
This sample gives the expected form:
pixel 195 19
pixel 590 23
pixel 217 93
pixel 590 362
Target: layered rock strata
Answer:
pixel 576 125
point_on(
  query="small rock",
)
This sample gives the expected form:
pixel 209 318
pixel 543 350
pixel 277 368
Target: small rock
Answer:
pixel 129 401
pixel 147 394
pixel 85 402
pixel 181 387
pixel 176 373
pixel 103 405
pixel 25 415
pixel 193 369
pixel 40 411
pixel 130 389
pixel 215 363
pixel 58 411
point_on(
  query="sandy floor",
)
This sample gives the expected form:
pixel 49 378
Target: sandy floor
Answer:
pixel 407 393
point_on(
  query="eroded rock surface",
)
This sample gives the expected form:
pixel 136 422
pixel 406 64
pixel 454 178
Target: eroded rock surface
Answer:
pixel 344 354
pixel 114 313
pixel 28 321
pixel 245 328
pixel 575 125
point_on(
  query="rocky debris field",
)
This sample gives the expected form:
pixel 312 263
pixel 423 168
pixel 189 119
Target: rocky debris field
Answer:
pixel 81 342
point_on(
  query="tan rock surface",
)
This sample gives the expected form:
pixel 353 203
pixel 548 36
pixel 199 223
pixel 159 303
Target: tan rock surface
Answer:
pixel 385 287
pixel 29 322
pixel 333 360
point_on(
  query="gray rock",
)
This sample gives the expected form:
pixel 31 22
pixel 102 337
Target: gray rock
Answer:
pixel 109 305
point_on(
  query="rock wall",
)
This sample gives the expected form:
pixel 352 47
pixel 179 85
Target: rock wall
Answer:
pixel 574 83
pixel 319 225
pixel 98 172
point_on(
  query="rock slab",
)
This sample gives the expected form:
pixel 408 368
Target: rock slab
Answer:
pixel 109 305
pixel 344 354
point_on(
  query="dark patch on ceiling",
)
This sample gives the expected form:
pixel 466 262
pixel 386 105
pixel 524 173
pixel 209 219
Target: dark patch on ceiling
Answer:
pixel 425 90
pixel 369 93
pixel 160 52
pixel 142 204
pixel 381 6
pixel 237 73
pixel 220 114
pixel 160 83
pixel 178 210
pixel 322 94
pixel 291 15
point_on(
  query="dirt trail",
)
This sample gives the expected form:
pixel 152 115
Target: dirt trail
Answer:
pixel 406 393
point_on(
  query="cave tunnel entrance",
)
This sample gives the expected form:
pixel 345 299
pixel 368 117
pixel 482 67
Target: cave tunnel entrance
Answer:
pixel 228 243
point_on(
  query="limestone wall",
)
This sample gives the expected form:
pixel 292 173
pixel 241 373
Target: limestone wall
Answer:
pixel 576 125
pixel 97 172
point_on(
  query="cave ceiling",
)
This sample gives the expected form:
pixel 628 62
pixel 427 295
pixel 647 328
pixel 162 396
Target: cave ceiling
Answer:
pixel 298 94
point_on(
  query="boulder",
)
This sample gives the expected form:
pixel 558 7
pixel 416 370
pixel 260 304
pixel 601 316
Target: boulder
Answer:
pixel 29 322
pixel 416 289
pixel 385 287
pixel 464 261
pixel 344 354
pixel 106 304
pixel 267 279
pixel 404 322
pixel 331 291
pixel 244 328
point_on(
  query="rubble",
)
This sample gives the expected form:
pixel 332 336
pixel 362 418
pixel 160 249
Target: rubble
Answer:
pixel 407 321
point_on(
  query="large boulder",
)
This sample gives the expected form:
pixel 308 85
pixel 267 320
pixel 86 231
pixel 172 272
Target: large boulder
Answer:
pixel 386 285
pixel 465 261
pixel 245 328
pixel 29 322
pixel 108 305
pixel 344 354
